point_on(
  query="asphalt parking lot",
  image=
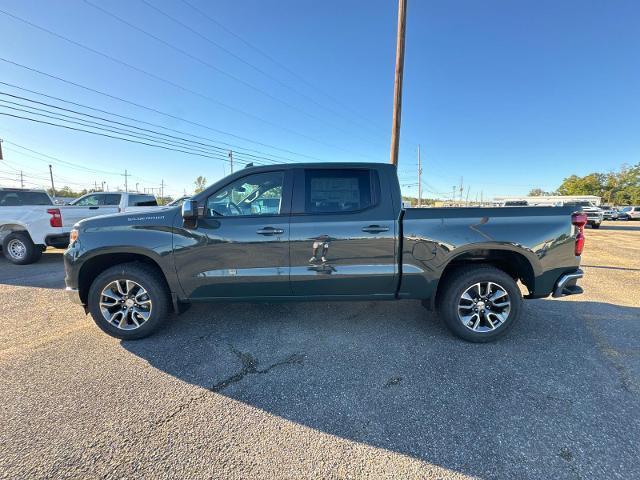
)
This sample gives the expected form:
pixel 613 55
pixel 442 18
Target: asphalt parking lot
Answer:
pixel 338 390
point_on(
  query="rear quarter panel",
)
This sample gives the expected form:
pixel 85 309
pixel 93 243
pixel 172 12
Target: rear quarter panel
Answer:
pixel 433 237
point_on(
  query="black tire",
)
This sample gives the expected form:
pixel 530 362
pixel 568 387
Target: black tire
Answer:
pixel 145 276
pixel 17 242
pixel 458 282
pixel 595 225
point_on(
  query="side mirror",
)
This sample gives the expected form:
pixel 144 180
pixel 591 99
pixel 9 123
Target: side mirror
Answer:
pixel 190 209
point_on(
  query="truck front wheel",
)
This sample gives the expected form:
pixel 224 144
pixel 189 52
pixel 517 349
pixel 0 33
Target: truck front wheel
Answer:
pixel 129 301
pixel 18 248
pixel 480 304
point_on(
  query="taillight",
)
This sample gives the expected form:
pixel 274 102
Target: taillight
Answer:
pixel 56 217
pixel 579 220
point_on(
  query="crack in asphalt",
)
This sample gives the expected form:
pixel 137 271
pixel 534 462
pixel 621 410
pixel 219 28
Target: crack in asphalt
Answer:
pixel 250 367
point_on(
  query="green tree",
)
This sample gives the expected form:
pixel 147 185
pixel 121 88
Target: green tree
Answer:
pixel 200 183
pixel 621 187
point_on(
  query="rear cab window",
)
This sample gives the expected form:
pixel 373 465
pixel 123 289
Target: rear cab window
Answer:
pixel 17 199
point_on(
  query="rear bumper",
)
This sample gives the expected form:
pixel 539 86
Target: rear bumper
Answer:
pixel 567 284
pixel 60 240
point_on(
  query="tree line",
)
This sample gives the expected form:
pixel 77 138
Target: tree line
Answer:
pixel 620 187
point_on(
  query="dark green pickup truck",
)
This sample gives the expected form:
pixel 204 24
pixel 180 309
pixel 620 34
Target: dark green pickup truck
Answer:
pixel 322 232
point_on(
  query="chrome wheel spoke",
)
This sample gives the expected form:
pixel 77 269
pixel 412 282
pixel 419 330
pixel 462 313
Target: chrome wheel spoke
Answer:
pixel 125 304
pixel 484 307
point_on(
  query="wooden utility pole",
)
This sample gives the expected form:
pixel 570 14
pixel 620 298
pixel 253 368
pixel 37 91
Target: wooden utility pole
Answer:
pixel 21 180
pixel 397 89
pixel 126 184
pixel 53 188
pixel 231 159
pixel 162 190
pixel 1 150
pixel 419 178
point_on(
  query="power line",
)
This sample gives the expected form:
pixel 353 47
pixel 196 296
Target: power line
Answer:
pixel 180 140
pixel 265 156
pixel 276 62
pixel 240 59
pixel 100 127
pixel 154 110
pixel 171 83
pixel 107 135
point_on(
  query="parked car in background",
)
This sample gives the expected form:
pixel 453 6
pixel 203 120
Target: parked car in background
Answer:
pixel 630 213
pixel 105 203
pixel 609 213
pixel 29 222
pixel 326 231
pixel 177 202
pixel 595 215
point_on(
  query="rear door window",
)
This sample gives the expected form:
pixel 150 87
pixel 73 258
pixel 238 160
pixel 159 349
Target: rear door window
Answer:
pixel 112 199
pixel 94 200
pixel 142 201
pixel 337 191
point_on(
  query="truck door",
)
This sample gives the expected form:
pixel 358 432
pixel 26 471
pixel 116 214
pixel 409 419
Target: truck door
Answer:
pixel 88 206
pixel 240 247
pixel 343 233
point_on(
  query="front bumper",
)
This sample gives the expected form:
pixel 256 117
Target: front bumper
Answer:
pixel 567 284
pixel 74 295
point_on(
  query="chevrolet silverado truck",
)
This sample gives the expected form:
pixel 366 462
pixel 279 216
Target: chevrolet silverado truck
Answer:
pixel 309 232
pixel 30 221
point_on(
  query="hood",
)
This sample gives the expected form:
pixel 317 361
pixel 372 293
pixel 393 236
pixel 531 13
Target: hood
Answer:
pixel 158 216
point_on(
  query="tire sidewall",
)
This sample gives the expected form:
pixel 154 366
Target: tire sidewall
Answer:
pixel 155 289
pixel 31 252
pixel 460 283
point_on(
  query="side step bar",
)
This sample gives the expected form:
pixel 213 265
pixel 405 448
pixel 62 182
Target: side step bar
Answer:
pixel 567 284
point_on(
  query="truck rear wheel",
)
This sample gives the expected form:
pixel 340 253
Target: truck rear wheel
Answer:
pixel 480 304
pixel 129 301
pixel 18 248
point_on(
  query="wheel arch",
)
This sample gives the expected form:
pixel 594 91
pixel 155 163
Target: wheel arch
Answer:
pixel 511 260
pixel 98 263
pixel 7 228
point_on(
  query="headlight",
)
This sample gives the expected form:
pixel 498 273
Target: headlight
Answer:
pixel 73 235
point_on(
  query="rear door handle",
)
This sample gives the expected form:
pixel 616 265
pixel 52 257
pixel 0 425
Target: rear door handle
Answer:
pixel 270 231
pixel 375 229
pixel 93 208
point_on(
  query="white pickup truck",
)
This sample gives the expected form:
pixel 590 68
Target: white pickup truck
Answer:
pixel 30 222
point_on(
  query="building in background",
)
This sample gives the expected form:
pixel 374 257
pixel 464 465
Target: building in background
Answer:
pixel 550 200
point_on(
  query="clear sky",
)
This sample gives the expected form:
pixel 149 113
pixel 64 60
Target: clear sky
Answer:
pixel 508 94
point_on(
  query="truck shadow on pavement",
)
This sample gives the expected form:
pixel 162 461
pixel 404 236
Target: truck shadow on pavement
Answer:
pixel 48 272
pixel 557 395
pixel 625 228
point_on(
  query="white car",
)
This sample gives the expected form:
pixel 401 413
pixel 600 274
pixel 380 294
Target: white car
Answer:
pixel 104 203
pixel 30 222
pixel 630 213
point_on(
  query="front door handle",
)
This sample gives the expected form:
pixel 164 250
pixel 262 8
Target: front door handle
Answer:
pixel 375 229
pixel 270 231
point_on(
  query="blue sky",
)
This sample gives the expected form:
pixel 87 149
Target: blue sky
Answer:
pixel 510 95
